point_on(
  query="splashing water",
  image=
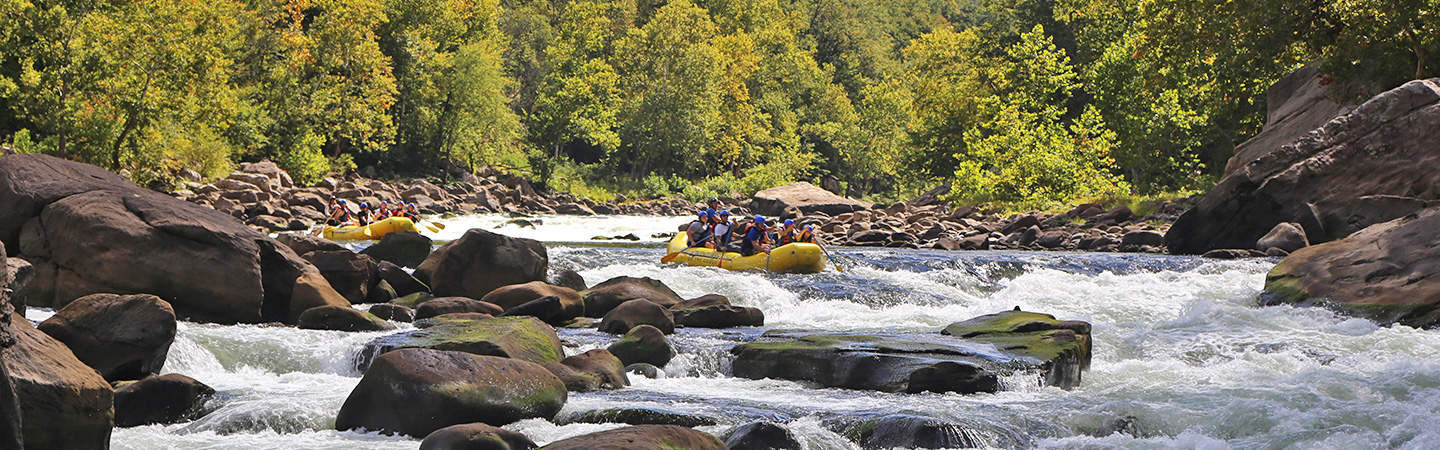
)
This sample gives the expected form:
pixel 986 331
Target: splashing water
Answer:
pixel 1183 357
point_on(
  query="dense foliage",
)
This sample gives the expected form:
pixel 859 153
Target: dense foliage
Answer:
pixel 1025 100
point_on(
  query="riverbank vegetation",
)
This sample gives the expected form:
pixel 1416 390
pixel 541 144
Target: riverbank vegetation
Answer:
pixel 1028 101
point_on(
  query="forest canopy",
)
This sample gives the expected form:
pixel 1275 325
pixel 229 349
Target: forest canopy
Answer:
pixel 1017 101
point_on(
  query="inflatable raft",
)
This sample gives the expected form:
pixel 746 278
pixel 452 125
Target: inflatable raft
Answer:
pixel 373 231
pixel 789 258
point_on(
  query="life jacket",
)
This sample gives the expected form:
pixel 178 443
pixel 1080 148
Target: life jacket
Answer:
pixel 806 236
pixel 787 237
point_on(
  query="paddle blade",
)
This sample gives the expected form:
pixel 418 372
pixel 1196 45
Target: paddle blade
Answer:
pixel 438 225
pixel 668 258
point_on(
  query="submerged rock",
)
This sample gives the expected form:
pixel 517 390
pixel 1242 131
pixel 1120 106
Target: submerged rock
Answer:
pixel 635 313
pixel 638 416
pixel 124 337
pixel 523 338
pixel 604 297
pixel 567 278
pixel 475 436
pixel 417 391
pixel 642 437
pixel 480 262
pixel 393 312
pixel 590 371
pixel 341 318
pixel 760 436
pixel 912 431
pixel 162 399
pixel 510 297
pixel 1386 273
pixel 718 316
pixel 63 402
pixel 1061 347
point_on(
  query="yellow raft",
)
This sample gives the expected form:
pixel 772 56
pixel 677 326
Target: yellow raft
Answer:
pixel 789 258
pixel 373 231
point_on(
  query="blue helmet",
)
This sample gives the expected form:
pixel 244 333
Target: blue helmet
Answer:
pixel 759 219
pixel 364 204
pixel 724 213
pixel 790 222
pixel 342 202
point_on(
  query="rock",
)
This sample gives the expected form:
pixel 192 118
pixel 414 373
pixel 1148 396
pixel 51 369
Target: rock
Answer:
pixel 1063 347
pixel 574 209
pixel 870 236
pixel 509 297
pixel 1114 215
pixel 447 305
pixel 761 436
pixel 1054 239
pixel 11 433
pixel 567 278
pixel 89 231
pixel 718 316
pixel 635 313
pixel 548 309
pixel 1230 253
pixel 351 274
pixel 475 436
pixel 1372 165
pixel 642 437
pixel 63 402
pixel 405 249
pixel 948 243
pixel 912 431
pixel 645 370
pixel 402 282
pixel 1300 102
pixel 591 371
pixel 303 243
pixel 341 318
pixel 523 338
pixel 976 242
pixel 702 301
pixel 19 272
pixel 417 391
pixel 450 317
pixel 1386 273
pixel 161 399
pixel 643 344
pixel 380 292
pixel 412 300
pixel 393 312
pixel 123 337
pixel 1287 236
pixel 807 197
pixel 888 364
pixel 480 262
pixel 604 297
pixel 1030 235
pixel 1021 223
pixel 1142 237
pixel 639 416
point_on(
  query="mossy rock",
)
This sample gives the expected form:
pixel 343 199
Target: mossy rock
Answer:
pixel 638 416
pixel 412 300
pixel 1062 346
pixel 523 338
pixel 643 344
pixel 881 363
pixel 642 437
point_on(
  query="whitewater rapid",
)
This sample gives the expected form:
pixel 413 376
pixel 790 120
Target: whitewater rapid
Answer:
pixel 1181 353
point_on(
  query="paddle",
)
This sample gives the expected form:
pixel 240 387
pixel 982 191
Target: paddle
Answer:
pixel 832 259
pixel 671 257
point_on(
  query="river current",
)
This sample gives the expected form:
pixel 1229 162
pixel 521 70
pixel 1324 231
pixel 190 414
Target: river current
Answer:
pixel 1183 357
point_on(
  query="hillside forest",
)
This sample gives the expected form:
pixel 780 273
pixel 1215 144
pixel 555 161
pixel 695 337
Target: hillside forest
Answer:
pixel 1028 101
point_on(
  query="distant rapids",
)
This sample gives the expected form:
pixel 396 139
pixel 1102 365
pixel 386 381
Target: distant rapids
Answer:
pixel 1183 357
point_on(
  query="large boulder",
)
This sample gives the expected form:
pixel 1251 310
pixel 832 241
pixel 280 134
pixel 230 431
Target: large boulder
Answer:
pixel 1302 101
pixel 303 243
pixel 643 344
pixel 401 281
pixel 718 316
pixel 642 437
pixel 549 309
pixel 351 274
pixel 509 297
pixel 417 391
pixel 163 399
pixel 406 249
pixel 450 305
pixel 806 197
pixel 341 318
pixel 978 354
pixel 11 433
pixel 63 402
pixel 638 416
pixel 480 262
pixel 90 231
pixel 1285 236
pixel 760 435
pixel 635 313
pixel 124 337
pixel 523 338
pixel 393 312
pixel 1388 272
pixel 475 436
pixel 604 297
pixel 1373 165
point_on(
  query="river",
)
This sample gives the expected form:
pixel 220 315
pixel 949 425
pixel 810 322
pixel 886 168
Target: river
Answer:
pixel 1180 348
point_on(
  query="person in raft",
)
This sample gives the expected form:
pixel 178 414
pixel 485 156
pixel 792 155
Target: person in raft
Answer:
pixel 339 212
pixel 721 230
pixel 697 231
pixel 755 238
pixel 412 212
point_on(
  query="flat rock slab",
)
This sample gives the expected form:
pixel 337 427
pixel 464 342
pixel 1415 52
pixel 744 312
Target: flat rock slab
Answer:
pixel 523 338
